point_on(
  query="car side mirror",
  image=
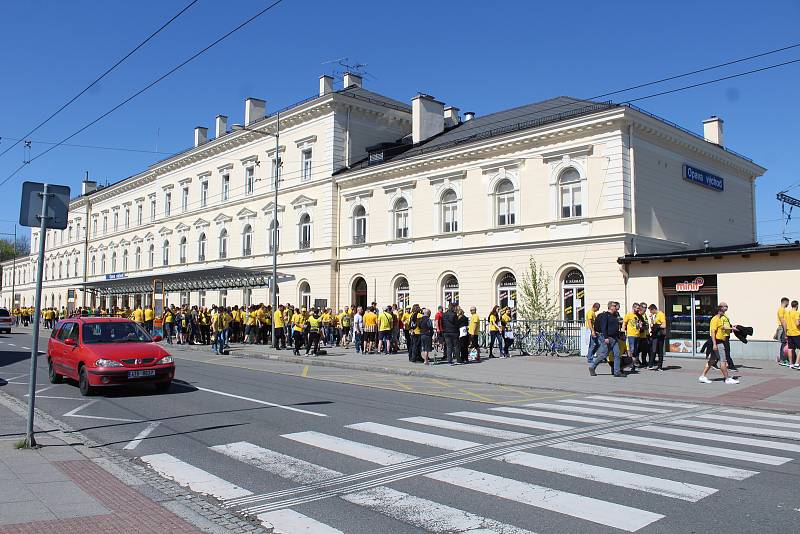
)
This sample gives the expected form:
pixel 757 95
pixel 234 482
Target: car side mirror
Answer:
pixel 69 341
pixel 156 339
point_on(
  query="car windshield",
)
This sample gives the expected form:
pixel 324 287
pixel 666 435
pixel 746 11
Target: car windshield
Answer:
pixel 114 332
pixel 4 313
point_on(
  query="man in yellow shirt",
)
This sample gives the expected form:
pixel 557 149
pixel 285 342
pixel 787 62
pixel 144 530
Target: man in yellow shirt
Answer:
pixel 792 317
pixel 298 329
pixel 780 335
pixel 315 323
pixel 720 331
pixel 385 320
pixel 138 316
pixel 370 330
pixel 279 342
pixel 149 316
pixel 472 329
pixel 632 328
pixel 658 333
pixel 594 342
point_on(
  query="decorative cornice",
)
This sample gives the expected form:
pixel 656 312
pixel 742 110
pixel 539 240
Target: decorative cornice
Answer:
pixel 302 201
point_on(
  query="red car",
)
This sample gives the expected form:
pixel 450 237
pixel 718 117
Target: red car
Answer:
pixel 106 351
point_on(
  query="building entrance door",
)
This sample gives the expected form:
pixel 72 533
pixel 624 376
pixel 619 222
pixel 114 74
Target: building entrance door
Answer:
pixel 689 315
pixel 360 292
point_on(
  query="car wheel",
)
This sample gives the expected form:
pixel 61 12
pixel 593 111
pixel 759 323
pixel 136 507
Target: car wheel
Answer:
pixel 54 377
pixel 83 383
pixel 163 386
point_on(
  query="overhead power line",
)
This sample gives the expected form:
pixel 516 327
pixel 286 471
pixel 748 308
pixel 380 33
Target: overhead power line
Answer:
pixel 98 147
pixel 103 75
pixel 145 88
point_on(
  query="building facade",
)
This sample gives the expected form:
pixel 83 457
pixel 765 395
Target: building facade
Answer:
pixel 386 201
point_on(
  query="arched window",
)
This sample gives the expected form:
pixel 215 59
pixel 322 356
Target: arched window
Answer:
pixel 75 268
pixel 401 219
pixel 125 260
pixel 402 293
pixel 570 193
pixel 93 265
pixel 305 295
pixel 507 290
pixel 247 240
pixel 113 262
pixel 359 225
pixel 274 243
pixel 103 264
pixel 504 203
pixel 151 256
pixel 449 290
pixel 449 209
pixel 69 234
pixel 182 250
pixel 360 292
pixel 305 231
pixel 573 299
pixel 137 259
pixel 223 244
pixel 165 253
pixel 201 247
pixel 60 270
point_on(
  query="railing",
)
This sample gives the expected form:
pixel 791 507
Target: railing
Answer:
pixel 305 245
pixel 561 338
pixel 359 239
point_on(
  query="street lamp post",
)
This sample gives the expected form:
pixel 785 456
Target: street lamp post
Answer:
pixel 274 281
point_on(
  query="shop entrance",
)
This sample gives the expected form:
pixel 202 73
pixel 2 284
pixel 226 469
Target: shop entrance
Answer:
pixel 689 304
pixel 360 292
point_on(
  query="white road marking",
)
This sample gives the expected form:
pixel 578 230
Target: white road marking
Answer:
pixel 669 462
pixel 283 465
pixel 697 449
pixel 40 390
pixel 15 377
pixel 369 453
pixel 193 477
pixel 736 428
pixel 26 348
pixel 583 410
pixel 428 515
pixel 290 522
pixel 755 413
pixel 140 436
pixel 595 510
pixel 464 427
pixel 74 413
pixel 735 419
pixel 257 401
pixel 753 442
pixel 414 436
pixel 527 423
pixel 11 345
pixel 614 477
pixel 647 402
pixel 551 415
pixel 421 513
pixel 619 405
pixel 55 397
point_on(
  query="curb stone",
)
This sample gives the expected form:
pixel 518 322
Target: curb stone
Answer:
pixel 191 506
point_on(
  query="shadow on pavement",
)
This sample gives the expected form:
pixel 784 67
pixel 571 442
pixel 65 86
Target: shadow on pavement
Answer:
pixel 10 357
pixel 204 429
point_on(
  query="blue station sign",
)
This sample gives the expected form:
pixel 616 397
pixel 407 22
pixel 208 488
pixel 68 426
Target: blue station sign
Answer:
pixel 706 179
pixel 115 276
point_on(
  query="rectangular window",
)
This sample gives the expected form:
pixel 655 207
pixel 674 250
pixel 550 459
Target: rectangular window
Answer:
pixel 276 171
pixel 152 210
pixel 203 194
pixel 249 180
pixel 116 221
pixel 167 204
pixel 305 163
pixel 226 186
pixel 105 224
pixel 139 215
pixel 185 199
pixel 449 218
pixel 127 218
pixel 94 227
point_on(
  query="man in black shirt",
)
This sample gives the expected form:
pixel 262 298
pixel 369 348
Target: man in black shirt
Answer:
pixel 450 330
pixel 607 326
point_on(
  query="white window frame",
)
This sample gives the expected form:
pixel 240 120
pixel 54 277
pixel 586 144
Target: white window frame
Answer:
pixel 151 255
pixel 570 188
pixel 400 219
pixel 249 180
pixel 449 213
pixel 505 205
pixel 165 253
pixel 182 246
pixel 202 241
pixel 305 295
pixel 127 218
pixel 306 163
pixel 139 214
pixel 116 221
pixel 185 199
pixel 512 296
pixel 204 193
pixel 167 203
pixel 226 186
pixel 153 210
pixel 450 294
pixel 402 293
pixel 138 258
pixel 359 221
pixel 273 236
pixel 247 241
pixel 305 232
pixel 222 243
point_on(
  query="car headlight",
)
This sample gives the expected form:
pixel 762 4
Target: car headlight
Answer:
pixel 165 359
pixel 102 362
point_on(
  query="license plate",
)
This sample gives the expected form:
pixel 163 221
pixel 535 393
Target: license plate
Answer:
pixel 141 374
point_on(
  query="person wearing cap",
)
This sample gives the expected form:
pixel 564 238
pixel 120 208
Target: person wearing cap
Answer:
pixel 720 330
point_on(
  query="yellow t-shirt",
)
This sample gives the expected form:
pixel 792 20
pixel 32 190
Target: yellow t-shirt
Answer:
pixel 418 319
pixel 326 318
pixel 631 330
pixel 298 322
pixel 792 317
pixel 660 319
pixel 278 319
pixel 781 315
pixel 168 317
pixel 720 327
pixel 314 323
pixel 138 315
pixel 251 319
pixel 384 321
pixel 492 323
pixel 149 314
pixel 370 320
pixel 590 315
pixel 474 324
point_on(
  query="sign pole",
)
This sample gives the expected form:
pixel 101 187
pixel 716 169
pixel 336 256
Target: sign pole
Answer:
pixel 29 439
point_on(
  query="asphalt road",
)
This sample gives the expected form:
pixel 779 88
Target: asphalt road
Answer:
pixel 327 457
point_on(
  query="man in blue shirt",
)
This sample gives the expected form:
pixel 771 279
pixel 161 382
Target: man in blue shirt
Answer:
pixel 607 326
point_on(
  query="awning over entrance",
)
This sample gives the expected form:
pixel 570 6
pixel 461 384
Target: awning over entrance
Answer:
pixel 204 279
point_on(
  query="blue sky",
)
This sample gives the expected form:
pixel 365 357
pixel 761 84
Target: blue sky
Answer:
pixel 474 55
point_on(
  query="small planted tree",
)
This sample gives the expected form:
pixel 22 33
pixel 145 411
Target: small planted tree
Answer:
pixel 536 299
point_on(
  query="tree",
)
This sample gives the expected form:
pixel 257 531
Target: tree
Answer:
pixel 7 247
pixel 537 301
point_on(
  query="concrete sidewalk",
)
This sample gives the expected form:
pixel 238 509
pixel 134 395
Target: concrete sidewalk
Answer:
pixel 763 384
pixel 65 486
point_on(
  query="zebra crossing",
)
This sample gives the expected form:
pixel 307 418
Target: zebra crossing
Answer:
pixel 621 452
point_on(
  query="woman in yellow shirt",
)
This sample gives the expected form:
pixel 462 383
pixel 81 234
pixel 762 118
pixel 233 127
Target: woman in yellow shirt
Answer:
pixel 494 331
pixel 298 328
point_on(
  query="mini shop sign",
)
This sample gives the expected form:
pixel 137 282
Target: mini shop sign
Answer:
pixel 706 179
pixel 692 286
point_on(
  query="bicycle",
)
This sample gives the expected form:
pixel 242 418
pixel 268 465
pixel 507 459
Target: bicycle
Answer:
pixel 552 344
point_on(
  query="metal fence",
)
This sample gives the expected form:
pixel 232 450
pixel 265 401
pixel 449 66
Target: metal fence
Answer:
pixel 562 338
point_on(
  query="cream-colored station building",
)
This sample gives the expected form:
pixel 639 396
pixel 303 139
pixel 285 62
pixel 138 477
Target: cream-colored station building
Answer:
pixel 407 202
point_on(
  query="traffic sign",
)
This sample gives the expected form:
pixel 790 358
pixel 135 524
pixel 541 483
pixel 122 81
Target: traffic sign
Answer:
pixel 30 210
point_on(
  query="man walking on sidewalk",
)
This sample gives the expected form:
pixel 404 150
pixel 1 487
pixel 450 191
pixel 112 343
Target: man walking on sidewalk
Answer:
pixel 780 335
pixel 720 330
pixel 607 329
